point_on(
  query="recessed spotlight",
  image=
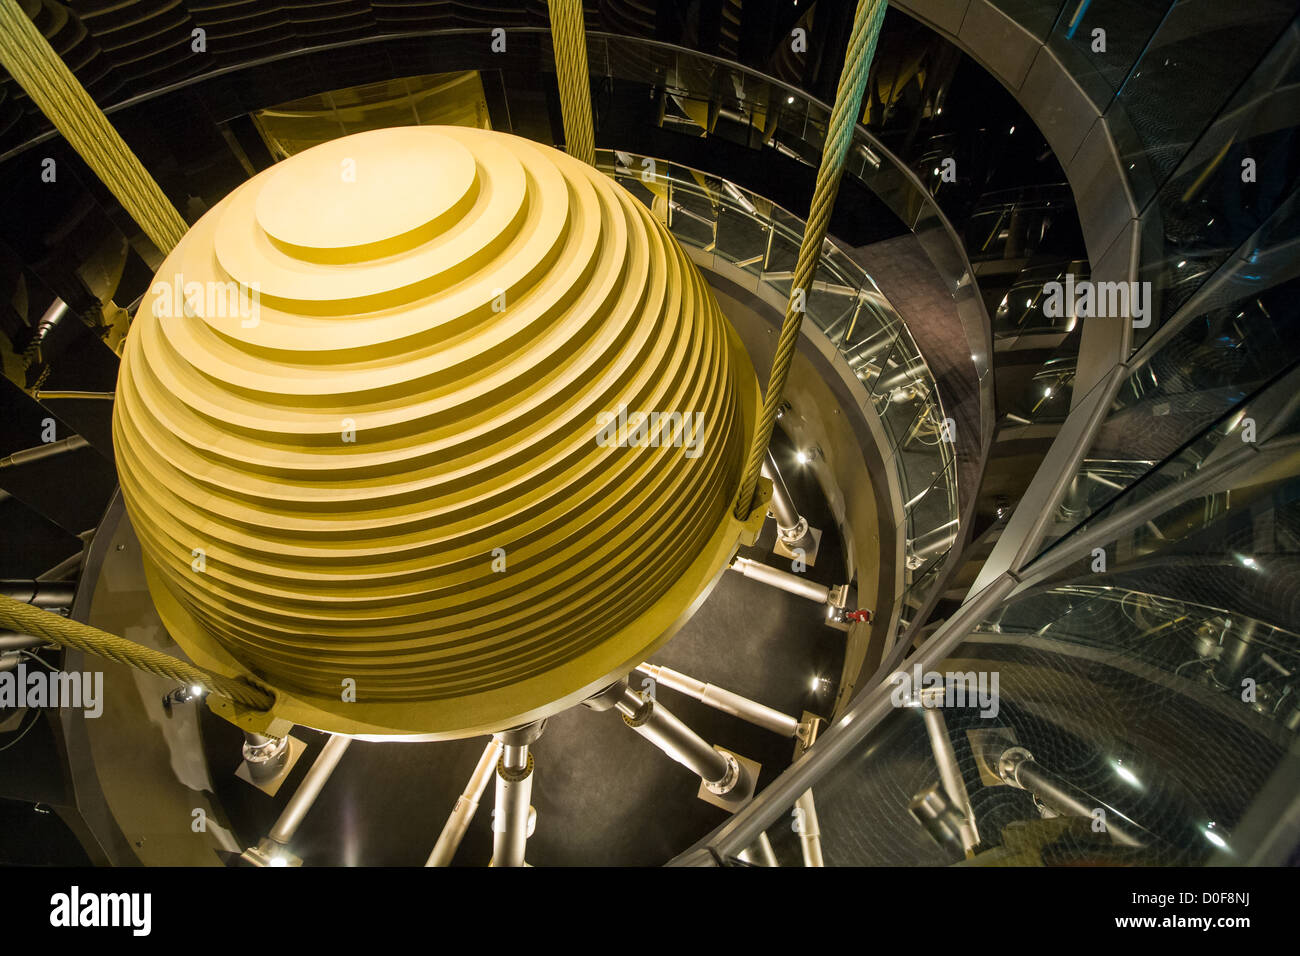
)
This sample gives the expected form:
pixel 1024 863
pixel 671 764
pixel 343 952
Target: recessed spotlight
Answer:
pixel 1126 774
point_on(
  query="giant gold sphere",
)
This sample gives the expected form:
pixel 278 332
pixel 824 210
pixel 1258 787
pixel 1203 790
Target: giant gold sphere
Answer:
pixel 368 433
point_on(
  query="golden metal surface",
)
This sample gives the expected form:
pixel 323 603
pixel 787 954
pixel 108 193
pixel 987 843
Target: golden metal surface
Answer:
pixel 411 401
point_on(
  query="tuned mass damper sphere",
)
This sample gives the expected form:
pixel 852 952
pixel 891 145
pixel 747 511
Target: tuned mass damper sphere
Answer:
pixel 438 414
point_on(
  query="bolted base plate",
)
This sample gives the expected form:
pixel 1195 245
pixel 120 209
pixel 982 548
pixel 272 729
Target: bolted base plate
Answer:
pixel 809 556
pixel 271 786
pixel 742 792
pixel 268 853
pixel 987 746
pixel 815 725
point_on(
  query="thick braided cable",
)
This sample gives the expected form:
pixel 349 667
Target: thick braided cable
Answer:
pixel 867 20
pixel 26 619
pixel 31 61
pixel 569 38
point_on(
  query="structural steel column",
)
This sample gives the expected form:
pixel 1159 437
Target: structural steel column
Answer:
pixel 38 69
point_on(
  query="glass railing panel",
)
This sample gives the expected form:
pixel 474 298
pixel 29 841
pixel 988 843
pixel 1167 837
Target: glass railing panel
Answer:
pixel 1198 57
pixel 782 252
pixel 930 513
pixel 1211 556
pixel 635 61
pixel 923 580
pixel 1249 448
pixel 869 351
pixel 733 225
pixel 904 381
pixel 685 219
pixel 1239 175
pixel 1027 307
pixel 852 330
pixel 792 129
pixel 743 238
pixel 1093 724
pixel 817 121
pixel 1101 61
pixel 831 306
pixel 833 301
pixel 1198 377
pixel 895 188
pixel 900 416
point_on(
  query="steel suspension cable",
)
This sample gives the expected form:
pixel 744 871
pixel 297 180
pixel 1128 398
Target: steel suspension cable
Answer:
pixel 30 60
pixel 38 69
pixel 26 619
pixel 867 19
pixel 569 38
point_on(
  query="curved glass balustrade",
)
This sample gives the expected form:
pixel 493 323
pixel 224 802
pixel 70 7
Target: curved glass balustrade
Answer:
pixel 1192 385
pixel 1132 696
pixel 1129 704
pixel 729 102
pixel 1206 141
pixel 1197 97
pixel 749 232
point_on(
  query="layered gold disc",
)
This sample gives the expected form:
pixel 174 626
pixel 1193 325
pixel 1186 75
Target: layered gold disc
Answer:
pixel 433 430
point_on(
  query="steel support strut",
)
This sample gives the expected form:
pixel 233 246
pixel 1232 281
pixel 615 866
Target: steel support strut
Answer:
pixel 462 813
pixel 950 772
pixel 273 850
pixel 514 790
pixel 722 773
pixel 661 727
pixel 791 527
pixel 724 700
pixel 791 583
pixel 1018 768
